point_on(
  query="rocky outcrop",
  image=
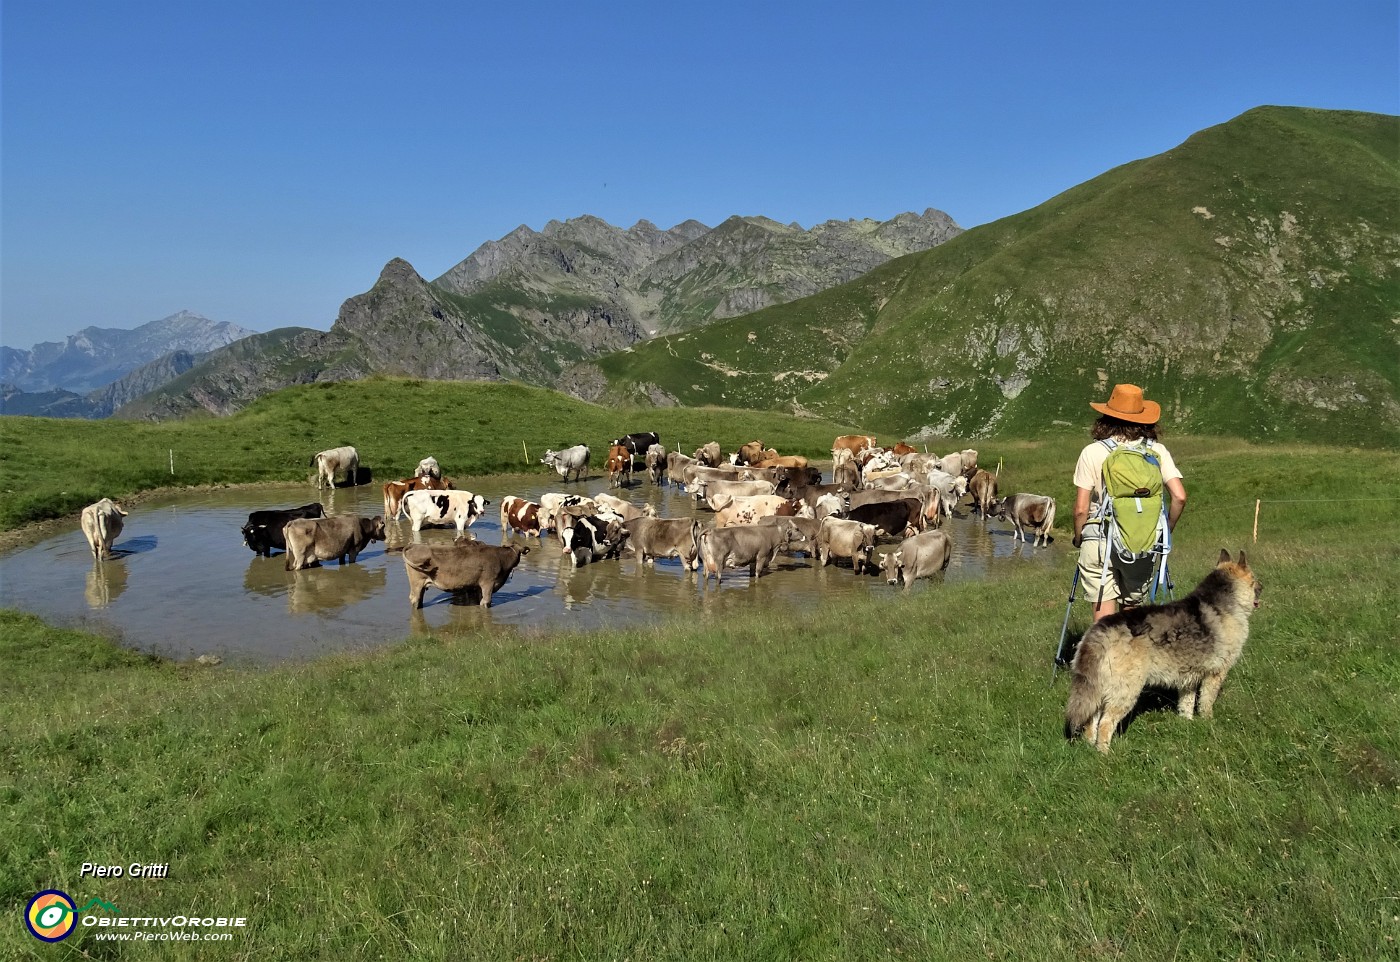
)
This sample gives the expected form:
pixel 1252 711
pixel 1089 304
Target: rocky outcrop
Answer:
pixel 142 381
pixel 670 280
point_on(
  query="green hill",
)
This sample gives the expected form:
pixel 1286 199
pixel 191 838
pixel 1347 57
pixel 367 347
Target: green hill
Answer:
pixel 1249 278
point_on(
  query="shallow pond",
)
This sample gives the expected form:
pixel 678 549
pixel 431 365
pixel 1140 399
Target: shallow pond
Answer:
pixel 183 584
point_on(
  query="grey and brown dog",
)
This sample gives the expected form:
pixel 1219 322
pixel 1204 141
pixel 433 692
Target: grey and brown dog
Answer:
pixel 1189 644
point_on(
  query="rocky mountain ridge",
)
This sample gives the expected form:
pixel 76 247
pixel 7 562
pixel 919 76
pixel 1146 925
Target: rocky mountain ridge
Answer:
pixel 96 356
pixel 531 304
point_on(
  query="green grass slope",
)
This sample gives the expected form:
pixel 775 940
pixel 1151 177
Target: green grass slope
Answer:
pixel 1250 278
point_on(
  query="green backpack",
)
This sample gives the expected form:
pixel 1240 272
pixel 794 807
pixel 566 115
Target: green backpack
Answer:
pixel 1132 507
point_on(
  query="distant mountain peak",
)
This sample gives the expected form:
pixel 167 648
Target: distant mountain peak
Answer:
pixel 94 357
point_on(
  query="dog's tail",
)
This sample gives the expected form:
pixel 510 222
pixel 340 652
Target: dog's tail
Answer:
pixel 1086 693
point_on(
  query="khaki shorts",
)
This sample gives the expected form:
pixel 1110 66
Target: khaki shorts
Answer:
pixel 1128 584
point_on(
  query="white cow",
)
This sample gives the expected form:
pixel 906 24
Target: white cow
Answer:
pixel 572 460
pixel 441 507
pixel 428 468
pixel 328 462
pixel 102 522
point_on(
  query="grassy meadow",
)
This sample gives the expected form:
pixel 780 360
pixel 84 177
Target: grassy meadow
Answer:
pixel 471 428
pixel 884 780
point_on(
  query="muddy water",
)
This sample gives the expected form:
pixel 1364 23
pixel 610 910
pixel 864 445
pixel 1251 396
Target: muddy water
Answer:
pixel 183 584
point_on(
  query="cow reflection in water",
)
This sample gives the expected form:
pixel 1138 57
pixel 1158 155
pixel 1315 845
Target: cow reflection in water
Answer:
pixel 320 590
pixel 105 583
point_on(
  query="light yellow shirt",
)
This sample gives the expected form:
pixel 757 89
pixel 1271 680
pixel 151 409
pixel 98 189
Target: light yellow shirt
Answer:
pixel 1088 472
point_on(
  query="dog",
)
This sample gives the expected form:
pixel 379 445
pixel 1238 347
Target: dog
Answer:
pixel 1189 644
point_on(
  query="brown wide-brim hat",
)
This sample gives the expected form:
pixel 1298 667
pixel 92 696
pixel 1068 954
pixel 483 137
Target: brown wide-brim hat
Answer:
pixel 1126 403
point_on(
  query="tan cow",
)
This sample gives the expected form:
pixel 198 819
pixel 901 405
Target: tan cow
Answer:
pixel 983 488
pixel 463 566
pixel 921 556
pixel 845 539
pixel 746 546
pixel 854 443
pixel 708 454
pixel 313 540
pixel 1033 511
pixel 102 522
pixel 781 461
pixel 652 538
pixel 623 508
pixel 711 492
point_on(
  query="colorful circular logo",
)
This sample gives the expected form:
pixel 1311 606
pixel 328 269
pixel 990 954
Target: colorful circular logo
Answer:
pixel 50 915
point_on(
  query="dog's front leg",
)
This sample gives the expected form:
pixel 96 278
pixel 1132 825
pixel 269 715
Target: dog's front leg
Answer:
pixel 1186 702
pixel 1210 690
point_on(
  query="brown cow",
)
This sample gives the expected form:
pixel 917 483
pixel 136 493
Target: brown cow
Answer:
pixel 983 488
pixel 462 566
pixel 748 453
pixel 313 540
pixel 519 515
pixel 619 466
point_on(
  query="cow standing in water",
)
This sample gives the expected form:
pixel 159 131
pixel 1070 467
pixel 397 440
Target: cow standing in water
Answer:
pixel 327 463
pixel 464 566
pixel 313 540
pixel 572 460
pixel 102 522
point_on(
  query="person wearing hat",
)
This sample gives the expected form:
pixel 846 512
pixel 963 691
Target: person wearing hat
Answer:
pixel 1126 417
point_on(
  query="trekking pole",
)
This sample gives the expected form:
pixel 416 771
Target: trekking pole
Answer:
pixel 1064 629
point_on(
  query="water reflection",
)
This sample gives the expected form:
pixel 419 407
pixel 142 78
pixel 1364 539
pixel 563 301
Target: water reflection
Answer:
pixel 332 587
pixel 106 580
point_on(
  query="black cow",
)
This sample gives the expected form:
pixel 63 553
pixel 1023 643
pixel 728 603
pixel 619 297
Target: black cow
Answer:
pixel 795 481
pixel 263 531
pixel 638 442
pixel 892 518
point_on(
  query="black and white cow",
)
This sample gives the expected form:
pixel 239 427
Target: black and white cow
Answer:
pixel 443 507
pixel 638 442
pixel 572 460
pixel 592 538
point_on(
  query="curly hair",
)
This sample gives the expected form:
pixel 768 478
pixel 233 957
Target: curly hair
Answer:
pixel 1110 427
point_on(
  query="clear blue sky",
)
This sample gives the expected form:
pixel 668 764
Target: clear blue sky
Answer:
pixel 260 162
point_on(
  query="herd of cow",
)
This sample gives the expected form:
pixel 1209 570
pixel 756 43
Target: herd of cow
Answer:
pixel 764 504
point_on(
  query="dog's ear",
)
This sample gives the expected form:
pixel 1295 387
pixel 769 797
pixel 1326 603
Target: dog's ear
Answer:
pixel 1242 562
pixel 1224 557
